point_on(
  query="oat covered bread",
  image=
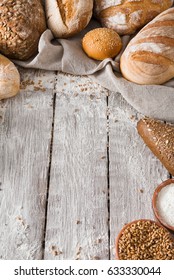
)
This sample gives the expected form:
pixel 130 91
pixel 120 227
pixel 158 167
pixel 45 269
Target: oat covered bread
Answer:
pixel 149 56
pixel 66 18
pixel 21 24
pixel 127 16
pixel 159 137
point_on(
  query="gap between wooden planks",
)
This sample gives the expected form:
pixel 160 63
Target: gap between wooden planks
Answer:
pixel 25 135
pixel 77 219
pixel 130 176
pixel 98 175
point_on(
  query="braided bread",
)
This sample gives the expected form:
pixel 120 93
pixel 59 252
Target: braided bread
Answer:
pixel 127 16
pixel 149 56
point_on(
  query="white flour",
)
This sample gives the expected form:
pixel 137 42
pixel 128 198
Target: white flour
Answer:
pixel 165 204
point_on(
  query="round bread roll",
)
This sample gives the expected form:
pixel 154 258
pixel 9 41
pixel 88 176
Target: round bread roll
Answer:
pixel 101 43
pixel 21 25
pixel 68 17
pixel 9 78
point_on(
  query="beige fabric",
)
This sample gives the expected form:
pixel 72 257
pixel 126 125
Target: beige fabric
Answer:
pixel 66 55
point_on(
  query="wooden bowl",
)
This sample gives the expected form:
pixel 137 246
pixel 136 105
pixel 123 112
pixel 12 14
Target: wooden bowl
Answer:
pixel 128 225
pixel 154 203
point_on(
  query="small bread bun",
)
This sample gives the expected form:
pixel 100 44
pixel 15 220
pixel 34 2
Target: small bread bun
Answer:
pixel 101 43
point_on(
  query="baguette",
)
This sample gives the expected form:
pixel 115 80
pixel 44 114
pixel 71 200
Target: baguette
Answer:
pixel 130 15
pixel 159 137
pixel 149 56
pixel 21 25
pixel 67 18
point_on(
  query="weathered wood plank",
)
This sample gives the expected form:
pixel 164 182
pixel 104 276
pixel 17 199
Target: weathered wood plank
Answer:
pixel 37 79
pixel 25 135
pixel 134 170
pixel 77 220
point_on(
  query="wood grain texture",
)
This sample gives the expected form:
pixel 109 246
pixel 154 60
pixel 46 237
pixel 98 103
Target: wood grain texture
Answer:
pixel 134 171
pixel 91 127
pixel 77 220
pixel 25 135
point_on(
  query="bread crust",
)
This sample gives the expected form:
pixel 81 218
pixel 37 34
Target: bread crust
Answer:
pixel 159 137
pixel 9 78
pixel 66 18
pixel 101 43
pixel 100 5
pixel 21 25
pixel 149 56
pixel 130 15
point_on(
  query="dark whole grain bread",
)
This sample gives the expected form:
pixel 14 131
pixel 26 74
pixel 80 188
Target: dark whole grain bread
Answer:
pixel 21 25
pixel 159 137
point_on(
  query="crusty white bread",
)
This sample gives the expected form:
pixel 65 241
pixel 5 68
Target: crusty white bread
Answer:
pixel 149 56
pixel 100 5
pixel 127 16
pixel 67 18
pixel 9 78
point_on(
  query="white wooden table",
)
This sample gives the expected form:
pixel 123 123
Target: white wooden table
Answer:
pixel 73 169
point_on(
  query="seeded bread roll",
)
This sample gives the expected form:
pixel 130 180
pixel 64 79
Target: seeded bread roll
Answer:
pixel 21 25
pixel 9 78
pixel 68 17
pixel 101 43
pixel 149 56
pixel 159 137
pixel 130 15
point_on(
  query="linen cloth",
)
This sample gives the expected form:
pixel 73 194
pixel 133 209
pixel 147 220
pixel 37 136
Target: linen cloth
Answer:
pixel 66 55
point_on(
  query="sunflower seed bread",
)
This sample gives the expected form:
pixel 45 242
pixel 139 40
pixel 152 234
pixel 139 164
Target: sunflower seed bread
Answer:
pixel 159 137
pixel 21 24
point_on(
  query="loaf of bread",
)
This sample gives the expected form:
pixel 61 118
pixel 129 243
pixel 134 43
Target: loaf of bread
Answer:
pixel 159 137
pixel 21 25
pixel 101 43
pixel 149 56
pixel 9 78
pixel 100 5
pixel 127 16
pixel 67 18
